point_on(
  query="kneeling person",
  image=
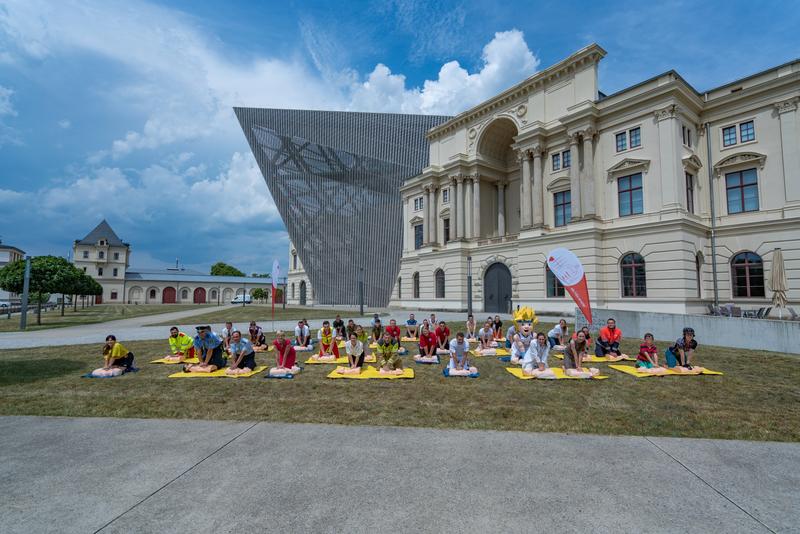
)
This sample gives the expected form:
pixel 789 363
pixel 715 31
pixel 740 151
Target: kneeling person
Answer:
pixel 389 362
pixel 209 348
pixel 243 356
pixel 534 363
pixel 180 345
pixel 285 356
pixel 459 364
pixel 328 346
pixel 116 359
pixel 355 356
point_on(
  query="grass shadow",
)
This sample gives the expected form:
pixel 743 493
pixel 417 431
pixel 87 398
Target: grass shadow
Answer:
pixel 17 372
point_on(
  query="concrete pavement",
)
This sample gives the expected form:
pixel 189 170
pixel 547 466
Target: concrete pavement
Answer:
pixel 116 475
pixel 134 329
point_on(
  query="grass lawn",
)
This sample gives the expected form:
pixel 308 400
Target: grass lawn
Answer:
pixel 758 398
pixel 262 314
pixel 91 314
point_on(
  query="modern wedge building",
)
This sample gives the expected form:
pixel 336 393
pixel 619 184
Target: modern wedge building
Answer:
pixel 335 178
pixel 665 193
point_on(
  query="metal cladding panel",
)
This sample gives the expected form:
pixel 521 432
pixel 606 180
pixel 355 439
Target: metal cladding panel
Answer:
pixel 335 177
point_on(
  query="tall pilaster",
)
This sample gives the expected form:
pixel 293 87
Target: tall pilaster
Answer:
pixel 460 202
pixel 454 214
pixel 523 156
pixel 575 178
pixel 430 236
pixel 670 157
pixel 476 206
pixel 468 207
pixel 501 209
pixel 590 203
pixel 790 140
pixel 538 188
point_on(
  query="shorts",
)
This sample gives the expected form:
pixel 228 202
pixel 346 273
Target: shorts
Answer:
pixel 645 364
pixel 248 361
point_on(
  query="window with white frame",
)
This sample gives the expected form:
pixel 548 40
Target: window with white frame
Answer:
pixel 741 190
pixel 744 132
pixel 686 135
pixel 85 254
pixel 445 196
pixel 562 207
pixel 418 204
pixel 629 139
pixel 557 161
pixel 418 238
pixel 689 192
pixel 630 196
pixel 566 159
pixel 116 271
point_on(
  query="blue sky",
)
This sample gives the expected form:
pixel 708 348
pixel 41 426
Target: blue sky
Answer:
pixel 123 110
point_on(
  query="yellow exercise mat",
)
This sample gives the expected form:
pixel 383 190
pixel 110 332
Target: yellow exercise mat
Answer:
pixel 409 339
pixel 341 360
pixel 631 370
pixel 219 373
pixel 169 362
pixel 371 372
pixel 558 371
pixel 599 359
pixel 498 352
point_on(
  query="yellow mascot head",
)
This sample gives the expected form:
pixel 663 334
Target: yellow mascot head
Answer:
pixel 524 315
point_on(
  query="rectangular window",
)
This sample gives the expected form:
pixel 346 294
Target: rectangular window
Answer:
pixel 622 142
pixel 556 162
pixel 101 254
pixel 566 158
pixel 689 192
pixel 686 133
pixel 116 271
pixel 562 204
pixel 742 191
pixel 554 287
pixel 445 196
pixel 747 132
pixel 636 137
pixel 729 136
pixel 85 254
pixel 113 295
pixel 418 236
pixel 84 269
pixel 630 195
pixel 99 271
pixel 446 229
pixel 116 255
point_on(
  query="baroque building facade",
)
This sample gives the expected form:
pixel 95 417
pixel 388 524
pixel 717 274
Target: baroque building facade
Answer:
pixel 666 194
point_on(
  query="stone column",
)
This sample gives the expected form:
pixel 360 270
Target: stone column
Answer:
pixel 468 207
pixel 790 140
pixel 523 156
pixel 589 200
pixel 538 189
pixel 501 209
pixel 672 180
pixel 575 178
pixel 454 212
pixel 434 207
pixel 476 206
pixel 428 234
pixel 460 199
pixel 408 244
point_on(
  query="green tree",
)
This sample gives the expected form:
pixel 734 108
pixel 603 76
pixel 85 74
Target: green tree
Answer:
pixel 49 274
pixel 223 269
pixel 258 294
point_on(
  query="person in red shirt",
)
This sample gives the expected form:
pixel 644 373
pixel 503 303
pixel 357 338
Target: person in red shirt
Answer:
pixel 394 330
pixel 648 353
pixel 608 340
pixel 427 343
pixel 328 346
pixel 285 355
pixel 443 336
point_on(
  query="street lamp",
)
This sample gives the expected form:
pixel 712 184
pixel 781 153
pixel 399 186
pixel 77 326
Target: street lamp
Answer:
pixel 361 291
pixel 469 285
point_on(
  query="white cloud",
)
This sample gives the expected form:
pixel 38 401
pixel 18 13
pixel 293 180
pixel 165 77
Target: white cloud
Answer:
pixel 6 107
pixel 506 60
pixel 64 124
pixel 8 135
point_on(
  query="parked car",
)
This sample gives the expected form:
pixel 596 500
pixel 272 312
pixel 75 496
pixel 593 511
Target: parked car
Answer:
pixel 4 304
pixel 246 299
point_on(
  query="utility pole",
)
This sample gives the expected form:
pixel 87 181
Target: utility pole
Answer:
pixel 26 286
pixel 469 285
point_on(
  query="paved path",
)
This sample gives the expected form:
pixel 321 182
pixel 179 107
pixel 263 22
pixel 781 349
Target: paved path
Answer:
pixel 125 475
pixel 133 329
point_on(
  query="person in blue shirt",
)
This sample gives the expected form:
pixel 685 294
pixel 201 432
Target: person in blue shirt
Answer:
pixel 411 326
pixel 208 348
pixel 243 355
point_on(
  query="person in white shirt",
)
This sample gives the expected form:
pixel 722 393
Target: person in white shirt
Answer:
pixel 355 356
pixel 459 357
pixel 534 363
pixel 302 334
pixel 559 334
pixel 486 336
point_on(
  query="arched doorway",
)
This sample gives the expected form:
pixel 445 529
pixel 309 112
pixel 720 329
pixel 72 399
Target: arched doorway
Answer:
pixel 227 295
pixel 135 295
pixel 497 289
pixel 168 295
pixel 200 295
pixel 497 146
pixel 303 293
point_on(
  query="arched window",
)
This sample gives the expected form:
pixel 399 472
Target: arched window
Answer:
pixel 747 273
pixel 634 280
pixel 438 276
pixel 554 286
pixel 152 293
pixel 184 293
pixel 399 287
pixel 213 294
pixel 415 280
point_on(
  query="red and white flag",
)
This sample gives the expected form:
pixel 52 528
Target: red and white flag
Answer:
pixel 566 266
pixel 276 274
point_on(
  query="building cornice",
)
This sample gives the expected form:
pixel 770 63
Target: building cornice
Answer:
pixel 589 55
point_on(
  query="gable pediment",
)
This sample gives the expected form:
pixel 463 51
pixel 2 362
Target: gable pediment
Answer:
pixel 738 160
pixel 692 162
pixel 445 213
pixel 628 165
pixel 559 184
pixel 416 219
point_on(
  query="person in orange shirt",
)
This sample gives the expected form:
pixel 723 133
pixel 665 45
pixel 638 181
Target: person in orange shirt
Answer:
pixel 608 340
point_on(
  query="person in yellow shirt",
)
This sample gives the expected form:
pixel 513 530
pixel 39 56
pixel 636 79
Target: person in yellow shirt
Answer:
pixel 180 345
pixel 115 355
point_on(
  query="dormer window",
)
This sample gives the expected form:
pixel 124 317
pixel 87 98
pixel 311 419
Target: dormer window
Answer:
pixel 102 242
